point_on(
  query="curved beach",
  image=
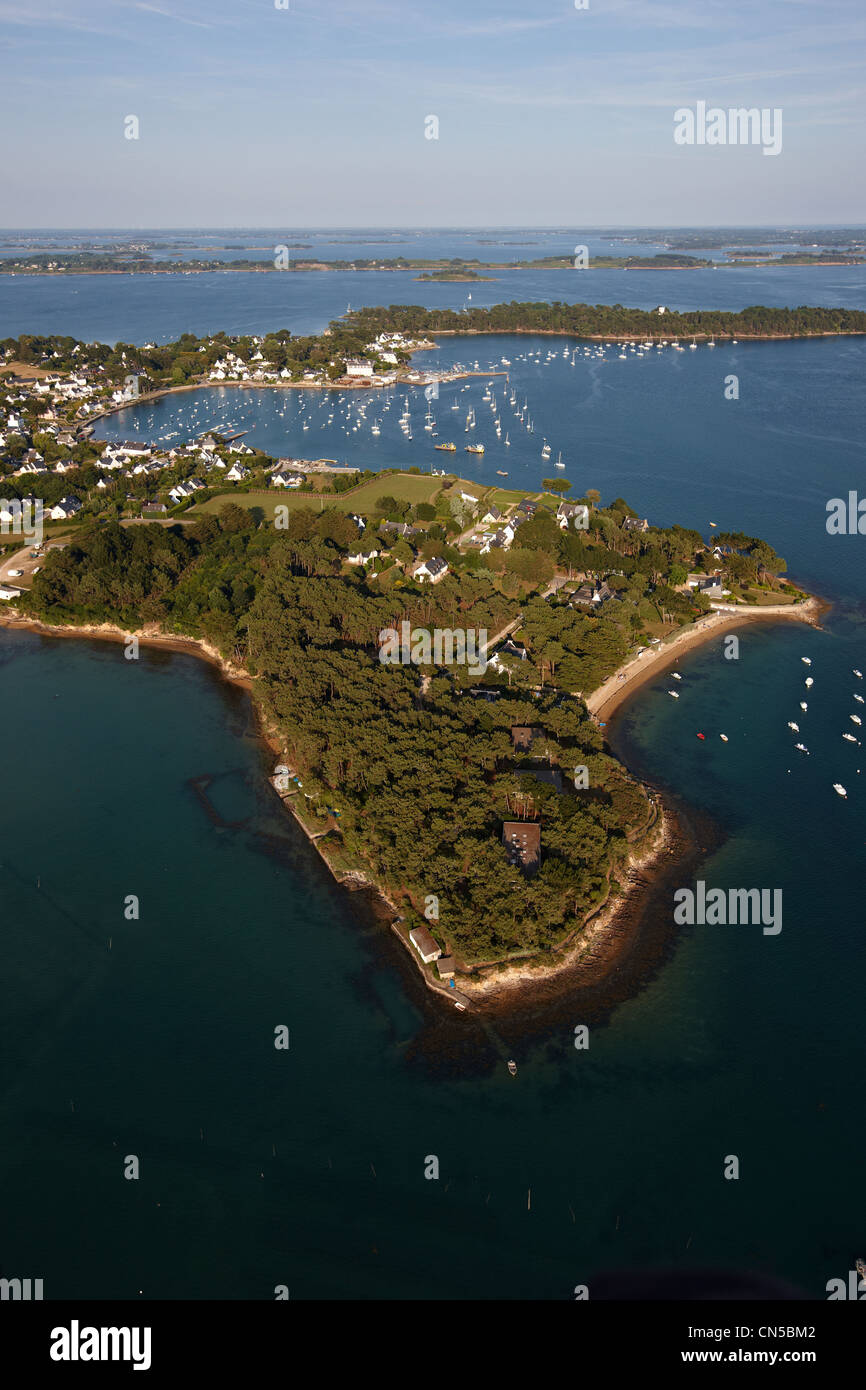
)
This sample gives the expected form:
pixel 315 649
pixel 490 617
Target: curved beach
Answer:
pixel 641 668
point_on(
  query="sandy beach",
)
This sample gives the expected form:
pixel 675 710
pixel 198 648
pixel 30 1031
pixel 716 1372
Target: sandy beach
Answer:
pixel 638 670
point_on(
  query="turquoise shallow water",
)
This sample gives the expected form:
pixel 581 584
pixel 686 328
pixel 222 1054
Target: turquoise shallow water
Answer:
pixel 738 1044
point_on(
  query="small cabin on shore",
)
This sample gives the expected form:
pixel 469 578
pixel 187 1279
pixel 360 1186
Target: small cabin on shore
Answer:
pixel 424 945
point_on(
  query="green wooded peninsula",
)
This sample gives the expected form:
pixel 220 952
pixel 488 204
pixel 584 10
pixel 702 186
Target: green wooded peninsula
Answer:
pixel 610 320
pixel 410 771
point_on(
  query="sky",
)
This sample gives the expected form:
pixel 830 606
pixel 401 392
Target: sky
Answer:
pixel 317 114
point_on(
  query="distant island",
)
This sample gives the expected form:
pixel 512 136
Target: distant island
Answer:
pixel 453 275
pixel 609 321
pixel 455 268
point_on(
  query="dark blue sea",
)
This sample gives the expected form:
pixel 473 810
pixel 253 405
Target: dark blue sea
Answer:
pixel 306 1167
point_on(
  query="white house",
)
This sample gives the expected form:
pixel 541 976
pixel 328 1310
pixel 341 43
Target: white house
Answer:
pixel 430 570
pixel 362 558
pixel 424 944
pixel 286 479
pixel 66 508
pixel 358 366
pixel 574 514
pixel 184 490
pixel 8 591
pixel 237 473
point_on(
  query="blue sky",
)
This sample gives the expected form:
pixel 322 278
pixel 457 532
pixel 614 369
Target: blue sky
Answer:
pixel 314 115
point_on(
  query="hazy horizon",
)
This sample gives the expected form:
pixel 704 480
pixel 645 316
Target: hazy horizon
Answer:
pixel 817 224
pixel 369 113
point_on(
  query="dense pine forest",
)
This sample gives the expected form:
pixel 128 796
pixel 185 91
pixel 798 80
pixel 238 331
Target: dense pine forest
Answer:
pixel 412 769
pixel 608 320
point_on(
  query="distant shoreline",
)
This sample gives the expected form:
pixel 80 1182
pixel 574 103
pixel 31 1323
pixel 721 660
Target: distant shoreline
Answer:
pixel 266 268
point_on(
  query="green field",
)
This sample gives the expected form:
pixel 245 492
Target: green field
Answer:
pixel 406 487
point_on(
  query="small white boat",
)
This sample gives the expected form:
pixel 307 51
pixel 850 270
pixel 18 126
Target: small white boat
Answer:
pixel 837 787
pixel 860 700
pixel 808 682
pixel 858 674
pixel 806 660
pixel 803 705
pixel 512 1067
pixel 675 676
pixel 802 747
pixel 674 694
pixel 723 737
pixel 855 719
pixel 850 738
pixel 792 725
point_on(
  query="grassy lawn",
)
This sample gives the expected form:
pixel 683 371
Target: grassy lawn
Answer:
pixel 406 487
pixel 763 598
pixel 506 497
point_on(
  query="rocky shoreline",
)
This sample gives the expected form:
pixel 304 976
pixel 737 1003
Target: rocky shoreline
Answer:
pixel 593 953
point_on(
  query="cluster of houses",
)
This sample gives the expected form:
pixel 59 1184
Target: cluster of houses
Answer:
pixel 502 537
pixel 233 368
pixel 382 352
pixel 425 571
